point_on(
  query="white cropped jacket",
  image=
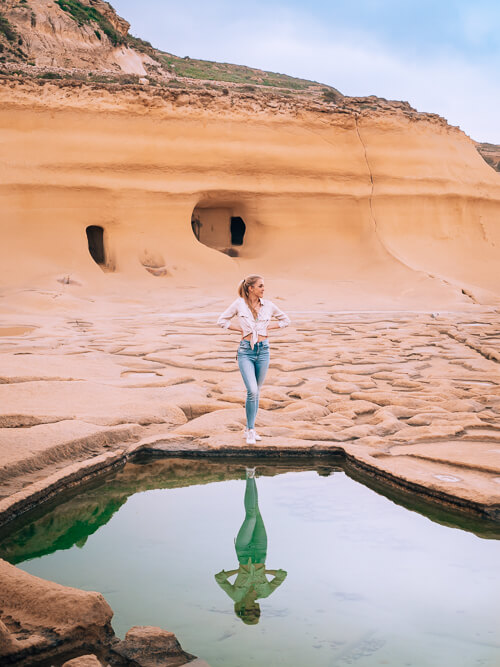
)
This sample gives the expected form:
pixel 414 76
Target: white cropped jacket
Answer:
pixel 250 325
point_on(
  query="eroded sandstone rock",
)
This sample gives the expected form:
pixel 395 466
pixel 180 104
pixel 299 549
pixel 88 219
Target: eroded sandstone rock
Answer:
pixel 150 646
pixel 83 661
pixel 42 616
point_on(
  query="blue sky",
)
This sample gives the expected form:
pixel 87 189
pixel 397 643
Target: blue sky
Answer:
pixel 442 56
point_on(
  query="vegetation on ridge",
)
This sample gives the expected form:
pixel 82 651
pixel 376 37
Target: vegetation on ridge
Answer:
pixel 6 29
pixel 10 41
pixel 213 71
pixel 83 14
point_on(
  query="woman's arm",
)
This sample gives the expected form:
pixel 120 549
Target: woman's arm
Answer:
pixel 222 579
pixel 236 594
pixel 278 580
pixel 273 325
pixel 224 574
pixel 270 586
pixel 224 320
pixel 283 319
pixel 234 327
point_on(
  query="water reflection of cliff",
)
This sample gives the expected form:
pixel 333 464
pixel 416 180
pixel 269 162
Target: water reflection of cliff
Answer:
pixel 73 520
pixel 70 522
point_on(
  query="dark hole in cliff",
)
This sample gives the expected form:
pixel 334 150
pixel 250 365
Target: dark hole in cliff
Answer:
pixel 238 229
pixel 95 238
pixel 217 227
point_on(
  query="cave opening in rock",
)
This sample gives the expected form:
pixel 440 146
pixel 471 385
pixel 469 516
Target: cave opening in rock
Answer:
pixel 95 238
pixel 219 227
pixel 238 229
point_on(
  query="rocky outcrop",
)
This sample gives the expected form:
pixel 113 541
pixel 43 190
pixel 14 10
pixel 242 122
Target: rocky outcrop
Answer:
pixel 150 646
pixel 490 153
pixel 83 661
pixel 105 9
pixel 41 620
pixel 39 616
pixel 86 34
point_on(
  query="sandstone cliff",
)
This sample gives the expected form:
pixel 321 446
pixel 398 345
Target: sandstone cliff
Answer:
pixel 370 202
pixel 166 179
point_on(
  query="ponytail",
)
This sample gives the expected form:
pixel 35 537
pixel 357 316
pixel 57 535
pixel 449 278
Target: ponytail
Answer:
pixel 243 289
pixel 244 293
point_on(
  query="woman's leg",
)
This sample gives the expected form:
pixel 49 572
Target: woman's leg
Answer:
pixel 251 541
pixel 245 533
pixel 261 367
pixel 247 368
pixel 259 540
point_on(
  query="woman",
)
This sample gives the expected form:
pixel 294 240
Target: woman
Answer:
pixel 251 581
pixel 254 322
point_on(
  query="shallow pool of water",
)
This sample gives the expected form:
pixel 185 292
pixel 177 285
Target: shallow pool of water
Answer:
pixel 352 578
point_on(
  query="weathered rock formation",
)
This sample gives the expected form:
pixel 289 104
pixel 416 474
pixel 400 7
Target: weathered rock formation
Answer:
pixel 86 34
pixel 151 646
pixel 390 205
pixel 27 602
pixel 491 154
pixel 383 205
pixel 43 620
pixel 89 660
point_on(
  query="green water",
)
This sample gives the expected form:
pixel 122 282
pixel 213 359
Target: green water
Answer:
pixel 361 579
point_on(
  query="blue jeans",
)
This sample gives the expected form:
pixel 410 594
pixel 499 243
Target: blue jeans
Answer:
pixel 253 365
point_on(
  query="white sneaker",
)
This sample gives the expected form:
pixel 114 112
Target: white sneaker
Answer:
pixel 250 436
pixel 257 436
pixel 250 473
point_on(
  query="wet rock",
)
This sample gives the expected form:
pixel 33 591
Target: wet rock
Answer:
pixel 43 616
pixel 150 646
pixel 7 642
pixel 89 660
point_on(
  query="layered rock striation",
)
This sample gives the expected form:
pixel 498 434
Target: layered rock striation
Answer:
pixel 384 204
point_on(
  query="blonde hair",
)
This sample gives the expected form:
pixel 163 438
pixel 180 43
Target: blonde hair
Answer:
pixel 247 282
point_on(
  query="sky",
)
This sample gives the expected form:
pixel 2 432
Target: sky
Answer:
pixel 442 56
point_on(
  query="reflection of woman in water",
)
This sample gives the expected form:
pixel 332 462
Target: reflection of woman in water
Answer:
pixel 251 582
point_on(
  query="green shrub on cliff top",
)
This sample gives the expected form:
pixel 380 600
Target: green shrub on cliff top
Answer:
pixel 6 29
pixel 214 71
pixel 84 15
